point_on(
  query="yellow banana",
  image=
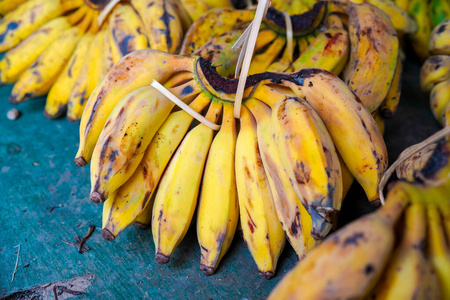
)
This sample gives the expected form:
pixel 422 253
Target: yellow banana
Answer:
pixel 134 71
pixel 328 51
pixel 7 6
pixel 27 18
pixel 218 208
pixel 435 69
pixel 218 51
pixel 131 199
pixel 176 198
pixel 408 265
pixel 124 139
pixel 294 218
pixel 402 22
pixel 419 40
pixel 440 100
pixel 261 229
pixel 363 148
pixel 310 160
pixel 212 24
pixel 195 8
pixel 161 24
pixel 40 76
pixel 440 37
pixel 59 93
pixel 379 120
pixel 261 62
pixel 144 219
pixel 390 103
pixel 349 262
pixel 438 250
pixel 374 51
pixel 88 77
pixel 127 32
pixel 18 59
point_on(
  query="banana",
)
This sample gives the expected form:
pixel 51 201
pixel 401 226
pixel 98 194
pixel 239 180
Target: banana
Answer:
pixel 218 51
pixel 374 51
pixel 161 24
pixel 363 149
pixel 212 24
pixel 40 76
pixel 87 79
pixel 27 18
pixel 195 8
pixel 261 62
pixel 127 32
pixel 144 219
pixel 58 96
pixel 131 199
pixel 435 69
pixel 347 177
pixel 439 40
pixel 440 101
pixel 20 58
pixel 78 15
pixel 390 103
pixel 7 6
pixel 294 218
pixel 218 208
pixel 124 139
pixel 379 120
pixel 438 250
pixel 70 5
pixel 176 198
pixel 261 229
pixel 439 11
pixel 349 262
pixel 107 56
pixel 133 71
pixel 418 9
pixel 185 19
pixel 310 160
pixel 408 263
pixel 402 22
pixel 328 51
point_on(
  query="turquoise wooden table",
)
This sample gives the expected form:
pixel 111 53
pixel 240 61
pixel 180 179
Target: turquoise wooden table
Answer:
pixel 45 204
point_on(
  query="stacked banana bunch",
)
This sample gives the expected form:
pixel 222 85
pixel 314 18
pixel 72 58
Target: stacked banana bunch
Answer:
pixel 151 162
pixel 427 14
pixel 435 73
pixel 64 47
pixel 357 41
pixel 401 251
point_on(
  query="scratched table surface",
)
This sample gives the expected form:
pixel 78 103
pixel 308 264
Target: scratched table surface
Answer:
pixel 45 204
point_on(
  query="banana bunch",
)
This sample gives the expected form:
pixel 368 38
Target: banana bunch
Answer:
pixel 357 41
pixel 427 14
pixel 283 171
pixel 435 73
pixel 59 47
pixel 401 251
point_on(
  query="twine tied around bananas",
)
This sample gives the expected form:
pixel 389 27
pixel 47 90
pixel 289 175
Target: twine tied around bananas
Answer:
pixel 106 10
pixel 408 153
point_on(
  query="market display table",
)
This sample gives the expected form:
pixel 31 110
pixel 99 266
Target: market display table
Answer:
pixel 45 207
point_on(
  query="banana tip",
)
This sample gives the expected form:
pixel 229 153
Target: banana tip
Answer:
pixel 71 120
pixel 267 274
pixel 140 225
pixel 96 197
pixel 161 258
pixel 375 202
pixel 207 270
pixel 107 235
pixel 387 113
pixel 13 99
pixel 80 161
